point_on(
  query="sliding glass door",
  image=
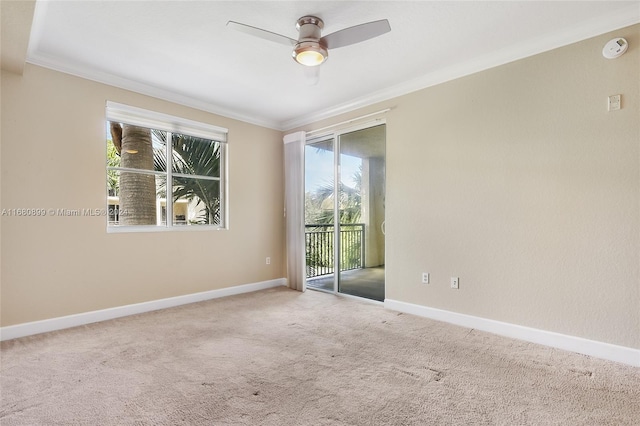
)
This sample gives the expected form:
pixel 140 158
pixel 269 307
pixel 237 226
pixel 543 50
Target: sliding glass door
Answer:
pixel 344 212
pixel 319 214
pixel 361 209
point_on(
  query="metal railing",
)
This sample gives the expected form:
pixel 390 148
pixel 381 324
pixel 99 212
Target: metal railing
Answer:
pixel 319 246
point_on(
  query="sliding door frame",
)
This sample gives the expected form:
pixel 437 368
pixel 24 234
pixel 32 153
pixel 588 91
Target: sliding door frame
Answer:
pixel 335 135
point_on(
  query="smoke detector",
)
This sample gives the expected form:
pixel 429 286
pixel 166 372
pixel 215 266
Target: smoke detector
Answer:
pixel 615 48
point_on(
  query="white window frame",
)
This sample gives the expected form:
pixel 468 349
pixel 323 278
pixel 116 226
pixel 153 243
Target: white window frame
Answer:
pixel 121 113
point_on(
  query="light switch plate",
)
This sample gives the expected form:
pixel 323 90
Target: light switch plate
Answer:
pixel 614 102
pixel 455 282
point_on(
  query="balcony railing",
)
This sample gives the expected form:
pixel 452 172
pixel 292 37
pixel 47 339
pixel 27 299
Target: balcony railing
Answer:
pixel 319 242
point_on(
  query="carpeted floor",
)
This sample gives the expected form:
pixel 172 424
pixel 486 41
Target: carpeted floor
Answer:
pixel 280 357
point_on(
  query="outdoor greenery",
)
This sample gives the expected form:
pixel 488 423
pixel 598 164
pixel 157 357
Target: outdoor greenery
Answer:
pixel 113 160
pixel 193 157
pixel 319 211
pixel 319 204
pixel 194 162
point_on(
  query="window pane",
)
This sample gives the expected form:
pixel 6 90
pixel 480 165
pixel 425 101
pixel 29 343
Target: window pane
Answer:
pixel 137 199
pixel 113 155
pixel 136 147
pixel 195 156
pixel 196 201
pixel 163 178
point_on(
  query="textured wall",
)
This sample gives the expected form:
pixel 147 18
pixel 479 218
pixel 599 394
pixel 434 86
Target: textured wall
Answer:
pixel 53 156
pixel 519 181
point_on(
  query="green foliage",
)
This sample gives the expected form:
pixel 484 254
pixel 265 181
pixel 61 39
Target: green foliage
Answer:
pixel 319 205
pixel 319 210
pixel 192 156
pixel 113 160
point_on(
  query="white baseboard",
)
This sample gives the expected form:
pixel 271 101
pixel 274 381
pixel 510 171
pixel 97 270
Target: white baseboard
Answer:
pixel 59 323
pixel 580 345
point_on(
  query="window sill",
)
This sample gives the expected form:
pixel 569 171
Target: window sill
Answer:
pixel 153 228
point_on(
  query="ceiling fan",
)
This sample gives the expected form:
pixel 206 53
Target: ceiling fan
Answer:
pixel 310 48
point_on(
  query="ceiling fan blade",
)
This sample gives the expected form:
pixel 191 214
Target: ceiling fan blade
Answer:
pixel 259 32
pixel 356 34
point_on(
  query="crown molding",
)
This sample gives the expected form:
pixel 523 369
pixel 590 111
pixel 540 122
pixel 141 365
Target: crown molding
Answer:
pixel 35 58
pixel 148 90
pixel 615 20
pixel 591 28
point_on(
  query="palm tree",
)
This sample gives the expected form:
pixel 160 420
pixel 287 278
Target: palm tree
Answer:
pixel 137 191
pixel 319 210
pixel 192 159
pixel 349 203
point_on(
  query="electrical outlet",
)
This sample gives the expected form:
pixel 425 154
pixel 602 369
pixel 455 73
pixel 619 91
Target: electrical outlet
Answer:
pixel 268 261
pixel 455 282
pixel 425 278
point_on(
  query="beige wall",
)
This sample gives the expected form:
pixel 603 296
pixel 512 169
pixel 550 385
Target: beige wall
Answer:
pixel 53 156
pixel 519 181
pixel 515 179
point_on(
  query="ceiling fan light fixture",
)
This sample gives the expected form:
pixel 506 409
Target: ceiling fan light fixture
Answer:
pixel 310 54
pixel 311 49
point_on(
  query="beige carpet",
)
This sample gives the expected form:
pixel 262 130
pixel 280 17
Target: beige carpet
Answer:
pixel 280 357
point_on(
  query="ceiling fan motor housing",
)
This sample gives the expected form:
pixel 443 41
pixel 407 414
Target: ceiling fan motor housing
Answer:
pixel 310 28
pixel 309 45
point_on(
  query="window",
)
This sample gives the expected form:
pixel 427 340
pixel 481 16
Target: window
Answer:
pixel 150 155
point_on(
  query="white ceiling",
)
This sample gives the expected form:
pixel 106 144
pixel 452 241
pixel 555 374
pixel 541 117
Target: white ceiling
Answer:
pixel 182 50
